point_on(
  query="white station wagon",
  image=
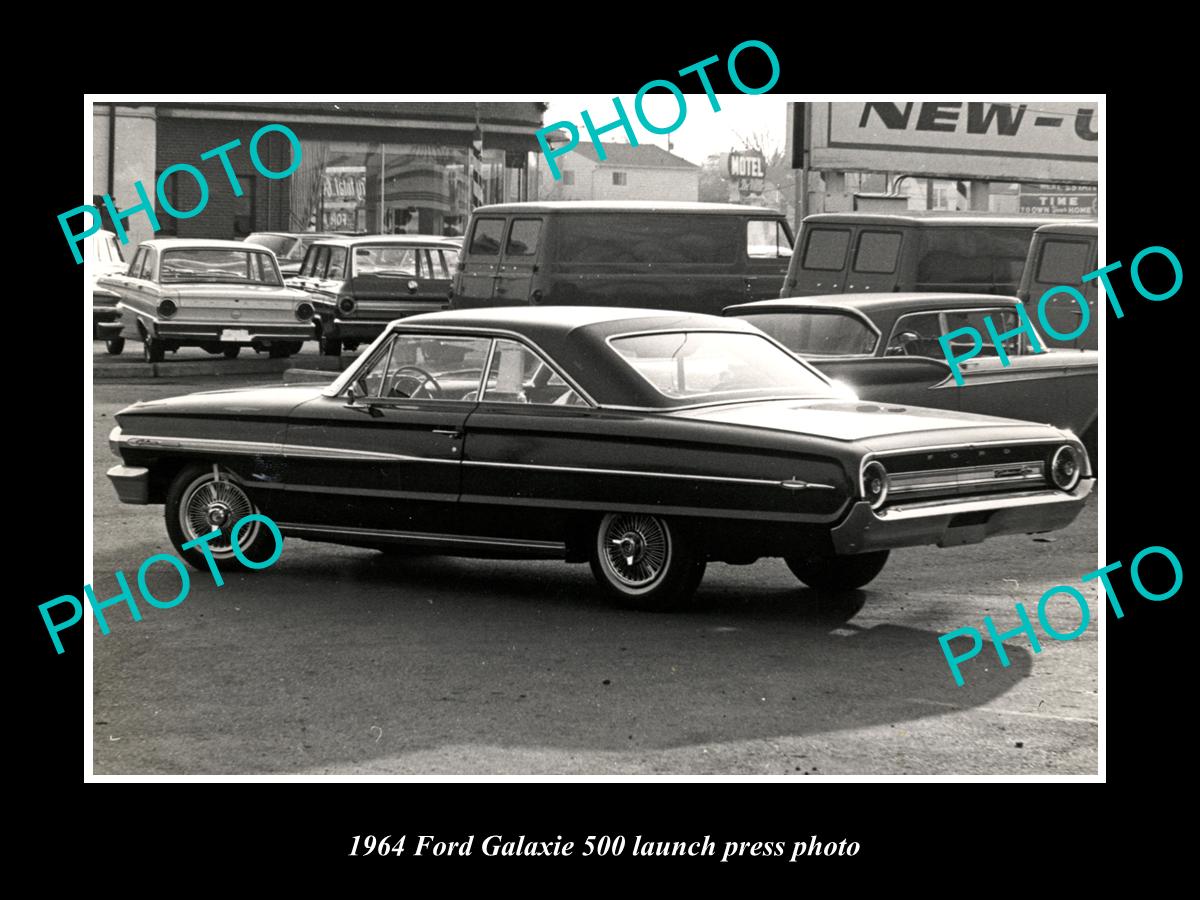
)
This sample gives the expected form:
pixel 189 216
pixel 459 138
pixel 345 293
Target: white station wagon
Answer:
pixel 218 295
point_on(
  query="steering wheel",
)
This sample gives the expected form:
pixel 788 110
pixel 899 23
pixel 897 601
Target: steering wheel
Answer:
pixel 424 381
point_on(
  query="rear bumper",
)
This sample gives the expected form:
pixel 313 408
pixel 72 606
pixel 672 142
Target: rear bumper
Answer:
pixel 957 522
pixel 257 331
pixel 362 328
pixel 106 320
pixel 132 483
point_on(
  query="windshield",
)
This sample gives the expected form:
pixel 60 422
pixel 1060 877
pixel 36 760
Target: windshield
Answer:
pixel 717 365
pixel 217 265
pixel 810 333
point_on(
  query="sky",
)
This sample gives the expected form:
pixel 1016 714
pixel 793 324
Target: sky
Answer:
pixel 703 131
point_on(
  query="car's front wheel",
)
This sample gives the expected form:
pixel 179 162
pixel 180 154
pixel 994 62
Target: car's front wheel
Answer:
pixel 114 346
pixel 830 572
pixel 645 562
pixel 201 499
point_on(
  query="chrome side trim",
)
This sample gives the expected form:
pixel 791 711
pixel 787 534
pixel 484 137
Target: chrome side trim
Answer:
pixel 793 484
pixel 423 536
pixel 263 448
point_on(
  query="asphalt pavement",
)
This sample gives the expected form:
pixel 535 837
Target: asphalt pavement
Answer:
pixel 343 661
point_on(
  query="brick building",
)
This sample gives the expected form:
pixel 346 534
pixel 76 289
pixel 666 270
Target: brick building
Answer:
pixel 373 167
pixel 644 172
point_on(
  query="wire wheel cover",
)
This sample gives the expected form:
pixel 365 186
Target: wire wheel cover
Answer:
pixel 635 549
pixel 208 505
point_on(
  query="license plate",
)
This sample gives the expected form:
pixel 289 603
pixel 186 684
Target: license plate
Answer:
pixel 235 334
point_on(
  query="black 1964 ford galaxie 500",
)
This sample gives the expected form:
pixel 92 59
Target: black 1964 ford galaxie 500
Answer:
pixel 644 442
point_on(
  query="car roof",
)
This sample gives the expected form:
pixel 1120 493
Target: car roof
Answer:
pixel 295 234
pixel 931 218
pixel 866 303
pixel 616 206
pixel 176 243
pixel 1088 227
pixel 561 320
pixel 411 240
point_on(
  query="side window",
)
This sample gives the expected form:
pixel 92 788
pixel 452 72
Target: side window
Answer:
pixel 825 249
pixel 321 261
pixel 485 237
pixel 766 239
pixel 147 271
pixel 135 267
pixel 518 375
pixel 449 261
pixel 310 258
pixel 523 237
pixel 916 335
pixel 878 252
pixel 425 367
pixel 1002 320
pixel 337 263
pixel 1064 262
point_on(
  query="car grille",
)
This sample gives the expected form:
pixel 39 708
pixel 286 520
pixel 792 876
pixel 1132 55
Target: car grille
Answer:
pixel 968 471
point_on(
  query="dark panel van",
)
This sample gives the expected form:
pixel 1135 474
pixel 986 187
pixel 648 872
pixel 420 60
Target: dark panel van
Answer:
pixel 845 253
pixel 1060 254
pixel 698 257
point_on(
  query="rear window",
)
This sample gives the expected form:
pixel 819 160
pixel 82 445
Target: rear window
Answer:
pixel 973 256
pixel 825 249
pixel 210 265
pixel 817 333
pixel 878 252
pixel 1064 262
pixel 485 238
pixel 650 238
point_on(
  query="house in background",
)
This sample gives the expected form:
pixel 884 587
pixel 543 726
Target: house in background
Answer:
pixel 644 172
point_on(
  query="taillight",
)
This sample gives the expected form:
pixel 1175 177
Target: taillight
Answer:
pixel 346 304
pixel 304 312
pixel 1065 467
pixel 874 483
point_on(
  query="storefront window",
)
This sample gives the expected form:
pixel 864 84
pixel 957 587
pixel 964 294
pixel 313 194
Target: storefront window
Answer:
pixel 425 189
pixel 393 188
pixel 336 188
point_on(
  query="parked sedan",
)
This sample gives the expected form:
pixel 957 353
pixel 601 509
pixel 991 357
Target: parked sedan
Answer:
pixel 885 347
pixel 289 247
pixel 218 295
pixel 107 259
pixel 359 284
pixel 646 443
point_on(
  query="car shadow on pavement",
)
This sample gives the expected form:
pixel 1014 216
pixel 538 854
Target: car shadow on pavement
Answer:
pixel 394 656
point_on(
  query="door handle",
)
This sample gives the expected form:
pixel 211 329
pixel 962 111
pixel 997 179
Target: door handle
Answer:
pixel 452 432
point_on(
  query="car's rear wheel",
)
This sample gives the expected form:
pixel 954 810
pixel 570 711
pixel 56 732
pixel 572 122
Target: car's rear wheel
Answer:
pixel 202 498
pixel 152 349
pixel 114 346
pixel 231 351
pixel 830 572
pixel 645 562
pixel 279 351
